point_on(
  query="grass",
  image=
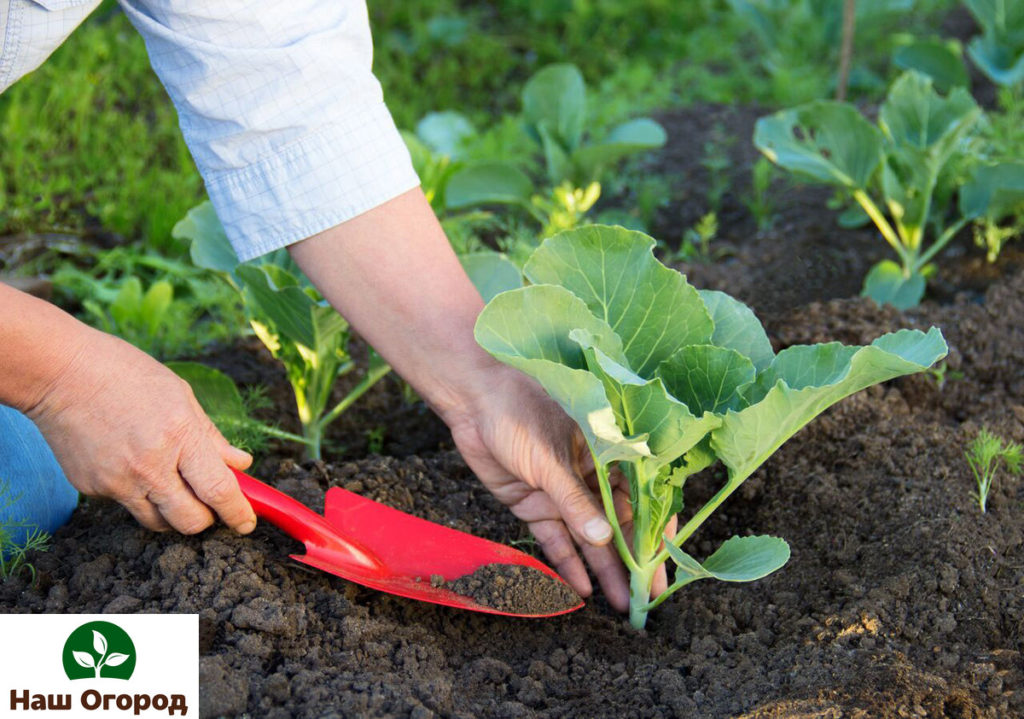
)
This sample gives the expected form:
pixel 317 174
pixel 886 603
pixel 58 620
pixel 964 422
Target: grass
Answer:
pixel 90 140
pixel 14 554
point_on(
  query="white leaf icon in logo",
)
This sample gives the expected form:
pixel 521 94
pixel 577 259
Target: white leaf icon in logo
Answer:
pixel 99 643
pixel 116 659
pixel 84 658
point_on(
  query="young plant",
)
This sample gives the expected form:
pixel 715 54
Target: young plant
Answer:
pixel 985 455
pixel 17 539
pixel 897 166
pixel 999 50
pixel 288 315
pixel 759 200
pixel 665 381
pixel 717 162
pixel 160 305
pixel 229 409
pixel 555 112
pixel 696 245
pixel 997 191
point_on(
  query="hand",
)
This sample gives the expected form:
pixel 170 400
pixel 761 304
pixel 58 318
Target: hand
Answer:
pixel 533 458
pixel 124 426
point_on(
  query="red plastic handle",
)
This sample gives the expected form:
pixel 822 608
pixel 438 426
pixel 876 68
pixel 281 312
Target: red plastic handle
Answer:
pixel 300 522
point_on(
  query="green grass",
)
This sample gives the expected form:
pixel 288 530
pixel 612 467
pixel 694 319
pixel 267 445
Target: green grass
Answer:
pixel 91 139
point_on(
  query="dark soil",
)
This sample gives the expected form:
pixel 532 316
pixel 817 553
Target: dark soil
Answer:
pixel 901 599
pixel 515 589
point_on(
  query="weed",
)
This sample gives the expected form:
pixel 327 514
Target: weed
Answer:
pixel 985 455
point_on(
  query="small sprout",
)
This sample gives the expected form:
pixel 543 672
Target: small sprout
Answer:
pixel 941 373
pixel 14 553
pixel 985 455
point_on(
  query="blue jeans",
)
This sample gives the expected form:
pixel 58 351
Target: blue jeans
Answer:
pixel 34 493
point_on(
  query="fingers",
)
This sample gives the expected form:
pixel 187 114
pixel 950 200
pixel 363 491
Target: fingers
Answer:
pixel 660 583
pixel 560 550
pixel 179 507
pixel 214 487
pixel 576 504
pixel 233 456
pixel 611 574
pixel 146 514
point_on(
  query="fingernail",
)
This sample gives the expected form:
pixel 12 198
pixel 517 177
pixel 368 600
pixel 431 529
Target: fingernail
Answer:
pixel 597 530
pixel 247 527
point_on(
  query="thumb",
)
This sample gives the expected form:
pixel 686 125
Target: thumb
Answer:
pixel 580 509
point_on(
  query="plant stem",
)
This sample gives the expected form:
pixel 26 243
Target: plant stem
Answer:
pixel 609 510
pixel 640 582
pixel 883 225
pixel 846 48
pixel 272 431
pixel 373 374
pixel 943 240
pixel 704 512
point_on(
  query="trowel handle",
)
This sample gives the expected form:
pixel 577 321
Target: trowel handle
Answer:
pixel 323 539
pixel 287 514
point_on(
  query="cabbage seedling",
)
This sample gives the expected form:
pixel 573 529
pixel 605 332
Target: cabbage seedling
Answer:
pixel 902 166
pixel 291 318
pixel 665 381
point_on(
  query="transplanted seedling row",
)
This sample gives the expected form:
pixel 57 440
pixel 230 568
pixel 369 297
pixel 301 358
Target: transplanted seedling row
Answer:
pixel 665 381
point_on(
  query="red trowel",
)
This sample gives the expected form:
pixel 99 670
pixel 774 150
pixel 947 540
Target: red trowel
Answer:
pixel 382 548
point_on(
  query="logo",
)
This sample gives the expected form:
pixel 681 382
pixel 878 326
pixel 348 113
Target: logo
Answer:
pixel 99 650
pixel 135 666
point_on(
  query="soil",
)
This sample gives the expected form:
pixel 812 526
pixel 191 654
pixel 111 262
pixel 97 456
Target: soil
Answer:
pixel 515 589
pixel 901 599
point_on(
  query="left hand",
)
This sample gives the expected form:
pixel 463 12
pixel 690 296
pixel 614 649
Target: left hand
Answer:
pixel 532 457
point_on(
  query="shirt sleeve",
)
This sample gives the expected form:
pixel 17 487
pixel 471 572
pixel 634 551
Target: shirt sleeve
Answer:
pixel 281 111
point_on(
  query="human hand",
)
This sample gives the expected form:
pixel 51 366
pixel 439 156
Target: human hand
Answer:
pixel 124 426
pixel 533 458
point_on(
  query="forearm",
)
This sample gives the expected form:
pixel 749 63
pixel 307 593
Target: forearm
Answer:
pixel 393 275
pixel 37 342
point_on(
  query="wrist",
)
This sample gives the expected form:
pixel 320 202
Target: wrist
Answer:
pixel 40 342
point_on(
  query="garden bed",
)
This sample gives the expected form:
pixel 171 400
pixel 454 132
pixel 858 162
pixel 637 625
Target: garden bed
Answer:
pixel 900 600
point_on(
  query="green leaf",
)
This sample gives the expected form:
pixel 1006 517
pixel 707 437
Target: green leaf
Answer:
pixel 125 307
pixel 644 407
pixel 886 283
pixel 289 308
pixel 216 392
pixel 613 270
pixel 556 98
pixel 824 141
pixel 936 59
pixel 627 139
pixel 444 132
pixel 1002 63
pixel 491 273
pixel 487 183
pixel 914 115
pixel 739 559
pixel 707 378
pixel 155 304
pixel 744 559
pixel 736 327
pixel 209 246
pixel 529 329
pixel 556 157
pixel 748 437
pixel 994 191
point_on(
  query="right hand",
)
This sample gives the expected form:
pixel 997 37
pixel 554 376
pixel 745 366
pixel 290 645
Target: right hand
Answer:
pixel 124 426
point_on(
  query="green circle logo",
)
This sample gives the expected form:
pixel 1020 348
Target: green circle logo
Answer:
pixel 99 650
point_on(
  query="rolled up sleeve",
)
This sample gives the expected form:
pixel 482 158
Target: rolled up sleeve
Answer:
pixel 281 111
